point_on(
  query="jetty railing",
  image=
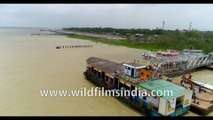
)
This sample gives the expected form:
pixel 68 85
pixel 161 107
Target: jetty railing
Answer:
pixel 174 64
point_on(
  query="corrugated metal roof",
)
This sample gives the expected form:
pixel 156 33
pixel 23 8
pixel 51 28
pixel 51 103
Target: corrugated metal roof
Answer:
pixel 164 85
pixel 105 65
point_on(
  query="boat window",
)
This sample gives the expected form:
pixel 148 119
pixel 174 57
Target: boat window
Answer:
pixel 106 78
pixel 103 75
pixel 126 87
pixel 126 92
pixel 132 87
pixel 92 69
pixel 137 70
pixel 120 85
pixel 128 68
pixel 116 82
pixel 95 72
pixel 111 80
pixel 99 74
pixel 144 98
pixel 132 73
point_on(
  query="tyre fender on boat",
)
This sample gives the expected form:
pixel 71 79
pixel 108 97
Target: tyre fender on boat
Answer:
pixel 85 73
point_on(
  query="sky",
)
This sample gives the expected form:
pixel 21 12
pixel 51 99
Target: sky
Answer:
pixel 151 16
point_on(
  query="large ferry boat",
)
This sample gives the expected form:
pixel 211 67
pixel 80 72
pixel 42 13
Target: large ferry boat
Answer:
pixel 134 76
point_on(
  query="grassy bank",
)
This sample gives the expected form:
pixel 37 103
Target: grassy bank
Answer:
pixel 163 39
pixel 152 47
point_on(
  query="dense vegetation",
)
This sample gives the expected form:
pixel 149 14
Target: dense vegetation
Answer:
pixel 152 47
pixel 167 39
pixel 187 40
pixel 117 30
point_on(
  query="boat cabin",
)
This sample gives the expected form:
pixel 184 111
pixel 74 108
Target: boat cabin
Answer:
pixel 135 70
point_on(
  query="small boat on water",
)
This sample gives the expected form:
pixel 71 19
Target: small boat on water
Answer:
pixel 203 101
pixel 168 53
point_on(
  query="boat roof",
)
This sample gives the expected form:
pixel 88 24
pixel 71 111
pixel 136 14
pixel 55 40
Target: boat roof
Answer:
pixel 163 85
pixel 134 65
pixel 104 65
pixel 158 84
pixel 189 50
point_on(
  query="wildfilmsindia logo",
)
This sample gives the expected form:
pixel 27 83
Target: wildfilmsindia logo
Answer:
pixel 97 91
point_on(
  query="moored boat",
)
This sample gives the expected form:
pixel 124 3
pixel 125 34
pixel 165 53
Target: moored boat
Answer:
pixel 134 76
pixel 198 82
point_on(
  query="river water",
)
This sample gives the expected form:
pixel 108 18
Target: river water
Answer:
pixel 30 63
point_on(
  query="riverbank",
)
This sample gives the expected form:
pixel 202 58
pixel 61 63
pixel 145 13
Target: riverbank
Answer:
pixel 151 47
pixel 169 39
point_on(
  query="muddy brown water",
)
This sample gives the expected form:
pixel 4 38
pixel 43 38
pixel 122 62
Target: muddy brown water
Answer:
pixel 30 63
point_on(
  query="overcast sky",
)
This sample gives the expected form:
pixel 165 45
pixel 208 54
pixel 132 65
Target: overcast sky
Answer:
pixel 176 16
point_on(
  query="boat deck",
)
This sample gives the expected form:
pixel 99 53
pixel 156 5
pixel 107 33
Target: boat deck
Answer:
pixel 111 67
pixel 106 65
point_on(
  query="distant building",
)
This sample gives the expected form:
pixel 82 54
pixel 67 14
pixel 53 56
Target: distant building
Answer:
pixel 141 38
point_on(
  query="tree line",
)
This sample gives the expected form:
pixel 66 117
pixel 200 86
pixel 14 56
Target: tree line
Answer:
pixel 187 40
pixel 167 39
pixel 100 30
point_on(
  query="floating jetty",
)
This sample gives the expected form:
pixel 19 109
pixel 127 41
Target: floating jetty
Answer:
pixel 203 102
pixel 134 76
pixel 174 63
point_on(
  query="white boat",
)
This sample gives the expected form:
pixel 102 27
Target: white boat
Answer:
pixel 204 84
pixel 149 55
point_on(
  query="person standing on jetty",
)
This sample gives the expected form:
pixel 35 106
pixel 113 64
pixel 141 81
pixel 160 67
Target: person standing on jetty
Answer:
pixel 190 76
pixel 183 80
pixel 194 94
pixel 169 79
pixel 200 88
